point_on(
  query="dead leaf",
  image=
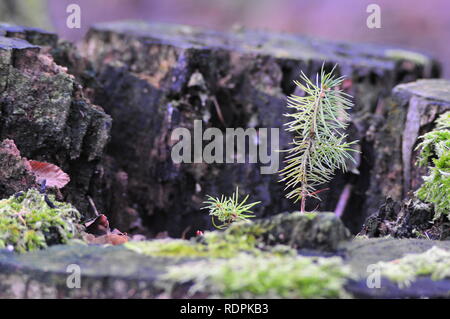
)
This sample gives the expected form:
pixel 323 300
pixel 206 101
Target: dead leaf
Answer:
pixel 52 174
pixel 98 226
pixel 99 233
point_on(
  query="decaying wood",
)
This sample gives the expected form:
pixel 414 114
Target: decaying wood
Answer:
pixel 152 78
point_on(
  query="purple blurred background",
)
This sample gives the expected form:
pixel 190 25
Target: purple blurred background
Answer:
pixel 411 24
pixel 419 25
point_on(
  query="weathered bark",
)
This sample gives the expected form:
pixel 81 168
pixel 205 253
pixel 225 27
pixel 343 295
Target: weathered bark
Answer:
pixel 418 105
pixel 43 110
pixel 156 77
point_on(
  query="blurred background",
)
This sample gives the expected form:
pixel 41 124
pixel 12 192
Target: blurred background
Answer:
pixel 419 25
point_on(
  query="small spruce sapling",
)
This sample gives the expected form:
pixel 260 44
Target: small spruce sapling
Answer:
pixel 228 209
pixel 319 146
pixel 435 154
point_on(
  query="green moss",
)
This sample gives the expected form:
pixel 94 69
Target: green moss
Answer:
pixel 168 248
pixel 250 276
pixel 28 223
pixel 435 150
pixel 214 246
pixel 443 122
pixel 434 144
pixel 250 230
pixel 435 262
pixel 311 215
pixel 239 237
pixel 236 264
pixel 228 245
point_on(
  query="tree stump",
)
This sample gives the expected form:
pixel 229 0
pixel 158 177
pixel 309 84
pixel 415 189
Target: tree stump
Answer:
pixel 153 78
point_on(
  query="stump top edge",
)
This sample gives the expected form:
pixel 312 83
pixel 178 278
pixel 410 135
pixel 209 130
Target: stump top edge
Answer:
pixel 7 27
pixel 15 43
pixel 277 44
pixel 34 36
pixel 430 89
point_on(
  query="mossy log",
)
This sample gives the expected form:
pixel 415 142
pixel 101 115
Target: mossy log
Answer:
pixel 153 78
pixel 118 272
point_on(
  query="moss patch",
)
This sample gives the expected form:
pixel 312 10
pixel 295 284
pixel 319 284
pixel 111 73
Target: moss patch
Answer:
pixel 250 276
pixel 435 149
pixel 435 262
pixel 237 264
pixel 250 230
pixel 176 248
pixel 28 223
pixel 212 245
pixel 281 234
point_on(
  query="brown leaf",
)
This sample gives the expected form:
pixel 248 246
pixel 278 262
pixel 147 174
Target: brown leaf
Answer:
pixel 99 226
pixel 52 174
pixel 99 233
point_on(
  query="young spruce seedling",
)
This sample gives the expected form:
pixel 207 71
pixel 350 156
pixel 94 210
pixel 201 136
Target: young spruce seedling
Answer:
pixel 319 147
pixel 228 209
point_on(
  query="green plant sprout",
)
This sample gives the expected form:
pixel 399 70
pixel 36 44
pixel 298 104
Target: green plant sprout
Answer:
pixel 228 209
pixel 435 153
pixel 319 146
